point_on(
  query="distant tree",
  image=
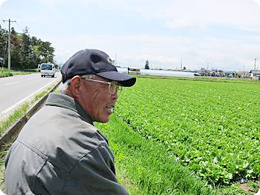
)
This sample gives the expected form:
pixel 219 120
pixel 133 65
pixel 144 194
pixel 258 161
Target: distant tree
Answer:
pixel 3 42
pixel 27 58
pixel 46 51
pixel 16 50
pixel 147 65
pixel 26 51
pixel 36 55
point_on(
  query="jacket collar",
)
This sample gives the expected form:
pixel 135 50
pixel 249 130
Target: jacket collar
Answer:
pixel 68 102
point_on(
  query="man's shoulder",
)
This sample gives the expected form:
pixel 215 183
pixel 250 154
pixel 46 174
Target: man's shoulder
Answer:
pixel 61 136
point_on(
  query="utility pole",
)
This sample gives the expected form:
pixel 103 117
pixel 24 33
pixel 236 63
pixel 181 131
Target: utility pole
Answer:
pixel 255 65
pixel 9 43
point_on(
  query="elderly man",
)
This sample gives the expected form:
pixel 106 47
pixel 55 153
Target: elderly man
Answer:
pixel 59 151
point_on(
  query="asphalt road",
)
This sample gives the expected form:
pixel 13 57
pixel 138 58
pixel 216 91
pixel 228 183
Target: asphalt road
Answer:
pixel 14 90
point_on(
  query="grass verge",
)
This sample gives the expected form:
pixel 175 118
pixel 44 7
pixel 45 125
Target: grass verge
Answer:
pixel 145 167
pixel 10 121
pixel 18 113
pixel 6 73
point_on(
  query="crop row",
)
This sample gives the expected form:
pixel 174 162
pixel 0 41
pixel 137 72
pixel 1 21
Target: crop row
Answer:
pixel 213 128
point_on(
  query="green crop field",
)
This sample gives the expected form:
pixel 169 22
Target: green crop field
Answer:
pixel 177 136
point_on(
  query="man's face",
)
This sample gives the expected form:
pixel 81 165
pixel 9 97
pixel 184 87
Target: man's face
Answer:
pixel 96 99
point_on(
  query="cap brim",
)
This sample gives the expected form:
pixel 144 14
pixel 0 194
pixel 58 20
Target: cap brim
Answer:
pixel 123 79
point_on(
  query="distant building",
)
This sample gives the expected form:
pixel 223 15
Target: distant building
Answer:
pixel 134 70
pixel 255 74
pixel 243 74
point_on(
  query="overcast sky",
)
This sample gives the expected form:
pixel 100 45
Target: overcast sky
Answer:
pixel 221 34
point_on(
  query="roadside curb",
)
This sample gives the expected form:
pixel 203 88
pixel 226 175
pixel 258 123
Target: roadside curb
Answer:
pixel 11 133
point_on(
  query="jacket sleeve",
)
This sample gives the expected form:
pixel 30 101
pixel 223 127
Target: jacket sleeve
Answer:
pixel 94 173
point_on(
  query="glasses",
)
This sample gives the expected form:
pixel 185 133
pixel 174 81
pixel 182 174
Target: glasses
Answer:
pixel 113 87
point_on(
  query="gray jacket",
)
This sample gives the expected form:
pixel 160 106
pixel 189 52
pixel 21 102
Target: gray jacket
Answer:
pixel 59 151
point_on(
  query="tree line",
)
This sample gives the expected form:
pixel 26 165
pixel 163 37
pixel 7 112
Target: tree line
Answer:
pixel 26 51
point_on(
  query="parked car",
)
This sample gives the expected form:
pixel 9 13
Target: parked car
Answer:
pixel 47 69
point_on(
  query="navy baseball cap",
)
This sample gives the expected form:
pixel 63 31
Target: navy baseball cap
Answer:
pixel 93 61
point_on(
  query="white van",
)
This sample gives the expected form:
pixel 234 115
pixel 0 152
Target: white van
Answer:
pixel 47 69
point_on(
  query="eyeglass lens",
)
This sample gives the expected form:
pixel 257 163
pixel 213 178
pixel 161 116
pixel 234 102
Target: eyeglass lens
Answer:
pixel 114 88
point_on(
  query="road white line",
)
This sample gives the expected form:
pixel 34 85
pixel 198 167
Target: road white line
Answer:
pixel 12 83
pixel 30 79
pixel 25 99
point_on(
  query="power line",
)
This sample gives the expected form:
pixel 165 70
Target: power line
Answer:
pixel 9 43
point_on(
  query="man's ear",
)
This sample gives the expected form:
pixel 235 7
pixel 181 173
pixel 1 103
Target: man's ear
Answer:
pixel 75 86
